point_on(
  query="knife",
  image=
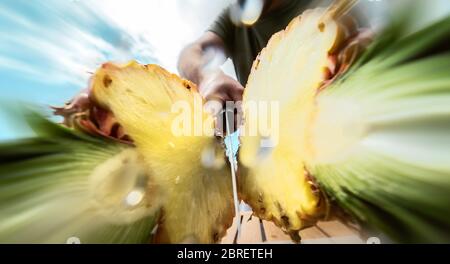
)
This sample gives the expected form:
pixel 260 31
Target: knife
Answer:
pixel 229 123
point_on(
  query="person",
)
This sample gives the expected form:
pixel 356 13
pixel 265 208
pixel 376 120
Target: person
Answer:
pixel 239 42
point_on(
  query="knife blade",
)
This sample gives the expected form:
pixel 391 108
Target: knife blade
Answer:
pixel 229 122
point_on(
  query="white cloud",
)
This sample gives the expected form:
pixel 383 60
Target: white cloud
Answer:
pixel 167 25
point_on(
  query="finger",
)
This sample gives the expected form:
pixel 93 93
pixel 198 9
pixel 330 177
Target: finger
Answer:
pixel 235 93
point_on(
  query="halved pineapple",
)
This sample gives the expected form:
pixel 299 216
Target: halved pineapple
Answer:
pixel 286 76
pixel 374 138
pixel 189 168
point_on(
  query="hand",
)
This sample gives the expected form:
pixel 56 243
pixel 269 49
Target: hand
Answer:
pixel 220 87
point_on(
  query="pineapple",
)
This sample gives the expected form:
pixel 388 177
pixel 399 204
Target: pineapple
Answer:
pixel 292 68
pixel 366 134
pixel 120 173
pixel 198 204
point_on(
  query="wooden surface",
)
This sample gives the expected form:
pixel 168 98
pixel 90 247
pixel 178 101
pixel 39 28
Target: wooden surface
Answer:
pixel 256 231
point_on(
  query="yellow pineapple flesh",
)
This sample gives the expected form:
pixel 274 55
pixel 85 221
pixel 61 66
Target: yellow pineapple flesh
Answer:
pixel 189 168
pixel 287 75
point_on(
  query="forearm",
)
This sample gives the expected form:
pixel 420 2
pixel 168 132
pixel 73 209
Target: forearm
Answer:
pixel 191 62
pixel 194 64
pixel 194 57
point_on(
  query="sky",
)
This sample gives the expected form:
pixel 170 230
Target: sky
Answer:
pixel 49 48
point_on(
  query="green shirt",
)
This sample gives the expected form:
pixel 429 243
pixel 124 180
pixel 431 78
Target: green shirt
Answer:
pixel 243 43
